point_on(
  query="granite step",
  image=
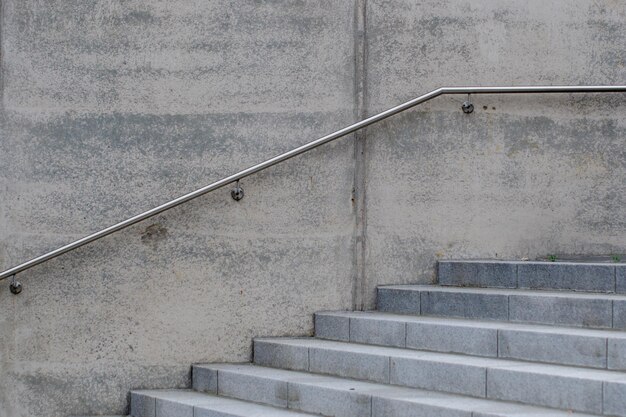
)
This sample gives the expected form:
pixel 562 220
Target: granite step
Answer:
pixel 570 276
pixel 603 349
pixel 341 397
pixel 560 308
pixel 187 403
pixel 556 386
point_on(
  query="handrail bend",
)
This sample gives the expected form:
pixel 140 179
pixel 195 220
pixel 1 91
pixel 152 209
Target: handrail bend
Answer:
pixel 297 151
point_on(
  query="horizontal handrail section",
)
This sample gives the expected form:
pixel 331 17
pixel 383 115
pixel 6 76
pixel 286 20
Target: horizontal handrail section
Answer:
pixel 301 149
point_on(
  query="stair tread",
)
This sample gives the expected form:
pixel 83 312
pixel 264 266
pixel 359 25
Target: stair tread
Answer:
pixel 508 291
pixel 386 391
pixel 478 324
pixel 228 406
pixel 454 358
pixel 516 262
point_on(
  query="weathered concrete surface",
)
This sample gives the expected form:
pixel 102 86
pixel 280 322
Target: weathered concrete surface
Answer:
pixel 522 176
pixel 112 107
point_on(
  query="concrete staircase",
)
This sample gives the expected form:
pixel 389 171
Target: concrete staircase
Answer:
pixel 514 339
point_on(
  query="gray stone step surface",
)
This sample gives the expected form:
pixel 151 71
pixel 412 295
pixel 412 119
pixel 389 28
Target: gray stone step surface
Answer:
pixel 340 397
pixel 563 387
pixel 187 403
pixel 603 349
pixel 571 276
pixel 561 308
pixel 493 339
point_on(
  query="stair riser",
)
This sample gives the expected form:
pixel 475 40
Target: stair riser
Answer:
pixel 366 367
pixel 602 278
pixel 166 408
pixel 601 313
pixel 395 408
pixel 506 383
pixel 562 349
pixel 351 399
pixel 551 391
pixel 290 395
pixel 147 406
pixel 143 404
pixel 323 400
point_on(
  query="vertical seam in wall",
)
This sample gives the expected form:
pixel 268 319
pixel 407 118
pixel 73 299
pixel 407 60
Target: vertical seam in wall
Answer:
pixel 2 56
pixel 615 279
pixel 12 340
pixel 606 354
pixel 3 229
pixel 358 193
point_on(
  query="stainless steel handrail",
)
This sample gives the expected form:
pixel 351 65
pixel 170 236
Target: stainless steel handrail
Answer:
pixel 304 148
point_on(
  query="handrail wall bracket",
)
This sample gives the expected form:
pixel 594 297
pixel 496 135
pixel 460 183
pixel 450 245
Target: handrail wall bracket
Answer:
pixel 237 192
pixel 15 286
pixel 467 105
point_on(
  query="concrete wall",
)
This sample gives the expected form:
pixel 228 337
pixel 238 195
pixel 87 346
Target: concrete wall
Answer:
pixel 522 176
pixel 113 106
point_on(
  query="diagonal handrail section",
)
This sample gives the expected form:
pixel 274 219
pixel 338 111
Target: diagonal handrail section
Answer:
pixel 16 287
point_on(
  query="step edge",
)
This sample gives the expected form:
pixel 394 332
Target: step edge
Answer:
pixel 521 262
pixel 583 295
pixel 299 377
pixel 235 401
pixel 478 323
pixel 498 363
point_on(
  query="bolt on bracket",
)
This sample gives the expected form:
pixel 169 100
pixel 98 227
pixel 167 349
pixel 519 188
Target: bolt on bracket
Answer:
pixel 237 192
pixel 15 286
pixel 467 106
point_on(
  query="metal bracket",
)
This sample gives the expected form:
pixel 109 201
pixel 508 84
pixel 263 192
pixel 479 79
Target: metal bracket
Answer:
pixel 15 286
pixel 467 106
pixel 237 192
